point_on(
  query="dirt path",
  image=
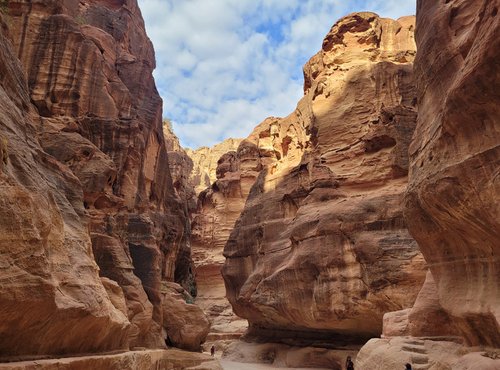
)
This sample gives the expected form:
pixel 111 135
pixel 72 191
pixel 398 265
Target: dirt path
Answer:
pixel 230 365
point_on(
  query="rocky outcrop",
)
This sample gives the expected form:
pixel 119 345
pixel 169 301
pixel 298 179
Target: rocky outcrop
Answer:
pixel 219 206
pixel 451 205
pixel 393 353
pixel 321 248
pixel 426 318
pixel 132 360
pixel 181 166
pixel 205 161
pixel 185 323
pixel 88 155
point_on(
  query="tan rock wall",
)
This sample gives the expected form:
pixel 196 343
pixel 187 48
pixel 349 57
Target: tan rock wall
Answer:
pixel 452 198
pixel 322 246
pixel 205 162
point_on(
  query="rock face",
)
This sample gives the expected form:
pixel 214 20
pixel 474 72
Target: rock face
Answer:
pixel 451 205
pixel 219 206
pixel 88 155
pixel 426 318
pixel 181 166
pixel 321 246
pixel 132 360
pixel 185 323
pixel 205 162
pixel 49 280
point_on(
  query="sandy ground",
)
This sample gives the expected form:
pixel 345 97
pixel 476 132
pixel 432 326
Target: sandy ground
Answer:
pixel 230 365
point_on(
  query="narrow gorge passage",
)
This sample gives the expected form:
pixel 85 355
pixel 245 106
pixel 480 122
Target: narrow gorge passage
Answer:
pixel 363 224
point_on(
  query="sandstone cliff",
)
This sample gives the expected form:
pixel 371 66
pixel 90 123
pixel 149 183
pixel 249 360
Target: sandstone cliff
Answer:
pixel 321 246
pixel 452 198
pixel 88 155
pixel 219 206
pixel 181 167
pixel 49 280
pixel 205 162
pixel 451 205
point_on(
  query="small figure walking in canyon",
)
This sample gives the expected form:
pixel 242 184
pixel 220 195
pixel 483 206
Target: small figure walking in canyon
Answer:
pixel 408 367
pixel 212 351
pixel 349 364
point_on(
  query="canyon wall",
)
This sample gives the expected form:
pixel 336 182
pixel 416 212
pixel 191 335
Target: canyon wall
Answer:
pixel 205 162
pixel 451 204
pixel 321 247
pixel 92 225
pixel 50 282
pixel 219 206
pixel 452 200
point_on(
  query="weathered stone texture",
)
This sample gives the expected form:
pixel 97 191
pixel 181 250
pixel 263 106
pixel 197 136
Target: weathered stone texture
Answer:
pixel 185 323
pixel 452 200
pixel 321 246
pixel 205 162
pixel 89 154
pixel 51 297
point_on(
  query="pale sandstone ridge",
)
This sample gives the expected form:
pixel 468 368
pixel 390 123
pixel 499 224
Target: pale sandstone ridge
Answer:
pixel 321 248
pixel 451 205
pixel 452 198
pixel 205 162
pixel 219 206
pixel 88 155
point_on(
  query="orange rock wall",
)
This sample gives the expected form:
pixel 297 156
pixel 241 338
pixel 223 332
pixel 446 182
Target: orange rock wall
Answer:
pixel 88 155
pixel 452 198
pixel 52 299
pixel 321 246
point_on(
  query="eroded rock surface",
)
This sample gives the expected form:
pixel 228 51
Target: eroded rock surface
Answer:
pixel 185 323
pixel 393 353
pixel 322 247
pixel 89 154
pixel 219 206
pixel 51 297
pixel 205 161
pixel 452 200
pixel 133 360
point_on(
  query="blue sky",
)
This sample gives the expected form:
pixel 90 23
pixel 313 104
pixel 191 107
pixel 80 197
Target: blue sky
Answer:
pixel 223 66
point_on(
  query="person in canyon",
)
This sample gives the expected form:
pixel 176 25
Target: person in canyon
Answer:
pixel 408 367
pixel 349 365
pixel 212 351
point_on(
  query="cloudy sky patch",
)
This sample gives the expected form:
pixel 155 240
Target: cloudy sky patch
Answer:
pixel 223 66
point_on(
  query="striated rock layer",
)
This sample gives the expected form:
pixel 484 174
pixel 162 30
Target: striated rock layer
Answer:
pixel 219 206
pixel 205 162
pixel 132 360
pixel 88 155
pixel 452 200
pixel 321 247
pixel 181 166
pixel 51 297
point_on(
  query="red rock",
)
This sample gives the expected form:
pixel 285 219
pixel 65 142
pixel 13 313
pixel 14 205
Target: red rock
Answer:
pixel 452 199
pixel 51 297
pixel 186 324
pixel 90 155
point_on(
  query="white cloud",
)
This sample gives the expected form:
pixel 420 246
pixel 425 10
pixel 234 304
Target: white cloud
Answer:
pixel 225 65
